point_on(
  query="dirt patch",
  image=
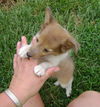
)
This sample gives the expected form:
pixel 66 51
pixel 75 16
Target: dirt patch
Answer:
pixel 7 3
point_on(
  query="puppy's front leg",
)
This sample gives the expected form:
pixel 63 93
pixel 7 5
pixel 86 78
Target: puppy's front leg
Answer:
pixel 40 69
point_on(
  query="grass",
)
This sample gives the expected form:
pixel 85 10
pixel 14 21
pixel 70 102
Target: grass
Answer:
pixel 80 17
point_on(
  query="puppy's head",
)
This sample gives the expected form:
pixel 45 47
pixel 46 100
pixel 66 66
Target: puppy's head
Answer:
pixel 52 39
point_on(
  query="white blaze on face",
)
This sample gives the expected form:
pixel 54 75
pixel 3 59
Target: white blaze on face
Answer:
pixel 34 40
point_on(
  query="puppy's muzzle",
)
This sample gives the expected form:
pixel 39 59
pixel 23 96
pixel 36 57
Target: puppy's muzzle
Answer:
pixel 28 55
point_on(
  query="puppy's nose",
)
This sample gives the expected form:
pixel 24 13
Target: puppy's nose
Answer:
pixel 28 55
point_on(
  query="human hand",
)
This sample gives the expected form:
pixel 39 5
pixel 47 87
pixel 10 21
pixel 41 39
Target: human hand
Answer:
pixel 25 83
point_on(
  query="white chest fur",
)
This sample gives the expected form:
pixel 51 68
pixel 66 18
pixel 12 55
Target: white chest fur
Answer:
pixel 52 61
pixel 55 60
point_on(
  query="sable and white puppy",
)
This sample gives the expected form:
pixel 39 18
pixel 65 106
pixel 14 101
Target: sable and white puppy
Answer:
pixel 51 48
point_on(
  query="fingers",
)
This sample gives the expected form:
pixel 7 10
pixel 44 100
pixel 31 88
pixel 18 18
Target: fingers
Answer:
pixel 16 63
pixel 49 72
pixel 18 47
pixel 19 60
pixel 23 41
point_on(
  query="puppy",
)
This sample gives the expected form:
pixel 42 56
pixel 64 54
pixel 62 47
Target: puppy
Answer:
pixel 51 47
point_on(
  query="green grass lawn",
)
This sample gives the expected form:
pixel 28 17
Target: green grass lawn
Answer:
pixel 80 17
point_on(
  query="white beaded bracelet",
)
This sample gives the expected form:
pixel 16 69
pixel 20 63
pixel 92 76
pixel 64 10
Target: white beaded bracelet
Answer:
pixel 13 98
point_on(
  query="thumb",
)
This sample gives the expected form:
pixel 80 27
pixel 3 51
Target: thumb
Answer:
pixel 50 71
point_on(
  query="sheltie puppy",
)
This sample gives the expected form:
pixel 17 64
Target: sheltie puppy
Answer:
pixel 52 48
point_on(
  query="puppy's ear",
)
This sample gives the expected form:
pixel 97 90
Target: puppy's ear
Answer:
pixel 70 43
pixel 48 16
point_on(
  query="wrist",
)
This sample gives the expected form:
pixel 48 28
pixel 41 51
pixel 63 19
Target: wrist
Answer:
pixel 14 99
pixel 20 94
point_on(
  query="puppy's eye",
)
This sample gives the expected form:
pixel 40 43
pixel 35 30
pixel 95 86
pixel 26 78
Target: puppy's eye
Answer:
pixel 46 50
pixel 37 39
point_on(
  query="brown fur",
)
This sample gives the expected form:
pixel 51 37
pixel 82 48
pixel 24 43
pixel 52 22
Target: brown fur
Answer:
pixel 66 71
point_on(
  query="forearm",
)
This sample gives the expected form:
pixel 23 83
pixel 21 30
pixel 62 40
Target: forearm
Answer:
pixel 5 101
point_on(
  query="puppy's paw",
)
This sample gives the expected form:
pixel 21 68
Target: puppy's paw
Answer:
pixel 39 70
pixel 68 88
pixel 23 51
pixel 57 83
pixel 68 91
